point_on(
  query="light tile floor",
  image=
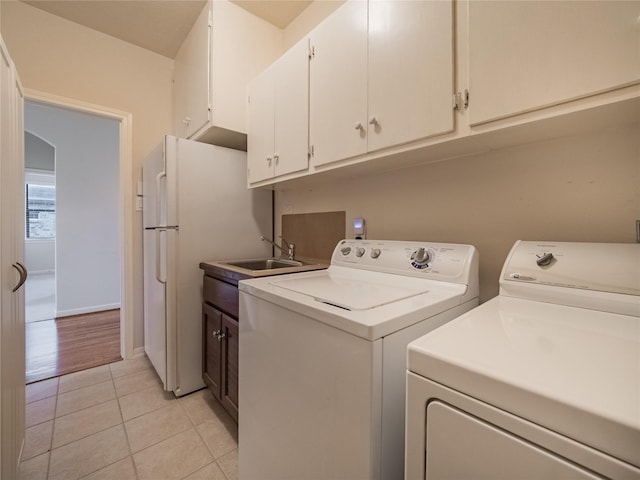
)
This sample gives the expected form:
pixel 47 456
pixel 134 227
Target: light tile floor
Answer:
pixel 116 422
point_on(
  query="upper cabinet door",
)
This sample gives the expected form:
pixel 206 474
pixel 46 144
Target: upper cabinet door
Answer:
pixel 528 55
pixel 291 116
pixel 260 141
pixel 338 85
pixel 191 102
pixel 410 71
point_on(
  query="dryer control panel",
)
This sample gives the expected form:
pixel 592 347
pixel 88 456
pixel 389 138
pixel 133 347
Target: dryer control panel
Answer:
pixel 439 261
pixel 602 276
pixel 605 267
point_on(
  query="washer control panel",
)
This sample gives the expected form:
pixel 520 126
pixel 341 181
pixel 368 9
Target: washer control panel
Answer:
pixel 421 259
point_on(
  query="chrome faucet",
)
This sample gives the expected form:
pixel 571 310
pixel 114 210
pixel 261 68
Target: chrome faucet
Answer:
pixel 289 251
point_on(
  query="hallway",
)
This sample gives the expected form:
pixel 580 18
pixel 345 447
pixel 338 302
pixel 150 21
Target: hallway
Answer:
pixel 69 344
pixel 40 297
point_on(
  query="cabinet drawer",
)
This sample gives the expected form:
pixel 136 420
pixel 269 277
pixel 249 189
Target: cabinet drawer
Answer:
pixel 223 295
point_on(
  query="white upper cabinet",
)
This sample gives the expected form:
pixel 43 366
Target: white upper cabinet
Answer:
pixel 381 75
pixel 260 141
pixel 191 103
pixel 338 84
pixel 410 71
pixel 527 55
pixel 224 50
pixel 279 117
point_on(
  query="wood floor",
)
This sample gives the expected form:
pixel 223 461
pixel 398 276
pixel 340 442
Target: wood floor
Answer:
pixel 69 344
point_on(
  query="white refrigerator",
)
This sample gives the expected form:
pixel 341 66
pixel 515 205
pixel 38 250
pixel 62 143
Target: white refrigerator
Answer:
pixel 196 207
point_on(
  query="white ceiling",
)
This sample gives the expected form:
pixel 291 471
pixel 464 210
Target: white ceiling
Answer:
pixel 158 25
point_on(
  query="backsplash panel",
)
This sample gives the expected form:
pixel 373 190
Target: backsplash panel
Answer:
pixel 315 235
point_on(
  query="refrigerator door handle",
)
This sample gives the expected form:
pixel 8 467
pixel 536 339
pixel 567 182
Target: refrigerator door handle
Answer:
pixel 159 197
pixel 158 232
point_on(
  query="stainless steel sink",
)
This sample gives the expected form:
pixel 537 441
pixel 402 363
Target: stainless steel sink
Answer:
pixel 265 264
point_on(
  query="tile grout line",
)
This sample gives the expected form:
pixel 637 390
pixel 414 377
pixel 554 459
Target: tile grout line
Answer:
pixel 53 426
pixel 124 427
pixel 215 459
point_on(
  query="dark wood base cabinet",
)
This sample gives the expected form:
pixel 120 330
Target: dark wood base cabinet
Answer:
pixel 220 341
pixel 220 361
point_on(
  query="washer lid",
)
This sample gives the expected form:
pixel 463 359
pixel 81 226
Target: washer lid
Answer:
pixel 349 293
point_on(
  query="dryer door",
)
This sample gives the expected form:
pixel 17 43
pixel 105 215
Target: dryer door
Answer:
pixel 460 445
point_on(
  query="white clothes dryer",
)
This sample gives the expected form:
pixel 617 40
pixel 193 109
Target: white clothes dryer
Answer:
pixel 542 381
pixel 323 357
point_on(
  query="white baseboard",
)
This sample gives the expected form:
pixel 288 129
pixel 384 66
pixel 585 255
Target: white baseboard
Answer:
pixel 138 352
pixel 41 272
pixel 93 309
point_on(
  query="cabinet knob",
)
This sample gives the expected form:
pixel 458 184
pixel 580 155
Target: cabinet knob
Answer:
pixel 276 158
pixel 219 335
pixel 373 121
pixel 359 126
pixel 269 160
pixel 186 120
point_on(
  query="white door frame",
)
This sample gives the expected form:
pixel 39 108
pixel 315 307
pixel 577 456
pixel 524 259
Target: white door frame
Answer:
pixel 126 203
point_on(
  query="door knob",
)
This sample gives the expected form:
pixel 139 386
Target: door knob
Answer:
pixel 23 275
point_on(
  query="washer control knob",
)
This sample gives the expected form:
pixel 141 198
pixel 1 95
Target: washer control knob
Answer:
pixel 544 259
pixel 359 251
pixel 345 251
pixel 375 252
pixel 420 258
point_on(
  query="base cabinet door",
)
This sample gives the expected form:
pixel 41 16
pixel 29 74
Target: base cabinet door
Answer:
pixel 220 357
pixel 211 348
pixel 229 354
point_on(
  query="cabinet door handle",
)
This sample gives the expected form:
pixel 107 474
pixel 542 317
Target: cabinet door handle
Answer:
pixel 23 275
pixel 359 126
pixel 186 121
pixel 276 158
pixel 373 121
pixel 219 335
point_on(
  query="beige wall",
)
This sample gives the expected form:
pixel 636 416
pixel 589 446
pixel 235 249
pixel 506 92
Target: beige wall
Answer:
pixel 308 19
pixel 581 188
pixel 59 57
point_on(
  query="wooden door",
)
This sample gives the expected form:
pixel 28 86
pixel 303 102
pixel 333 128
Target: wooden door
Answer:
pixel 12 349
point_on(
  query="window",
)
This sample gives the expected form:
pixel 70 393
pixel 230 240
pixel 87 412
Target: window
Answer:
pixel 40 201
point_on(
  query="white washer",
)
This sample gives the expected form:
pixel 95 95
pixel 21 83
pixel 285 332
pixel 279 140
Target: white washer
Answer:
pixel 323 357
pixel 542 381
